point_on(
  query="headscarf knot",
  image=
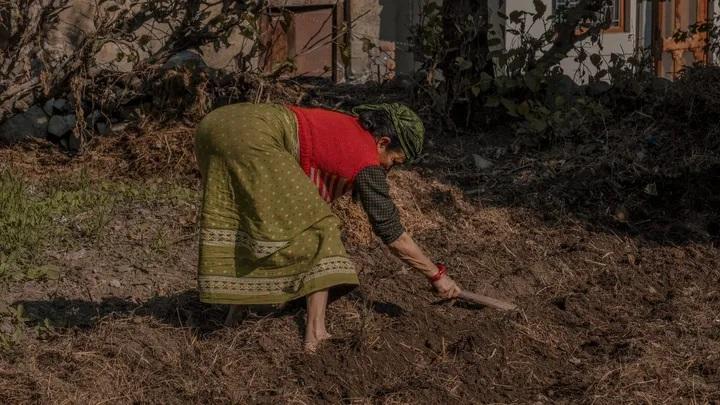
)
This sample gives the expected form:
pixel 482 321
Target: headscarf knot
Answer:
pixel 408 126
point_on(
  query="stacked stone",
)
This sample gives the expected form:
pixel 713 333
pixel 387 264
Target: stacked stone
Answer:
pixel 55 121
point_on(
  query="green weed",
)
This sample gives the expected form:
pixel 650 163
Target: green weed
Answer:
pixel 14 328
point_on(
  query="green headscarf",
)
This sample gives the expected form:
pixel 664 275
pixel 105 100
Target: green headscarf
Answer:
pixel 408 126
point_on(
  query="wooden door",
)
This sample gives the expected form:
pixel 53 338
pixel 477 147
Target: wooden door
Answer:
pixel 305 31
pixel 671 16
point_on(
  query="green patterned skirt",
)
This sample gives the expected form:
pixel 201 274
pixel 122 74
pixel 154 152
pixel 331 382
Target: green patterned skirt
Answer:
pixel 267 237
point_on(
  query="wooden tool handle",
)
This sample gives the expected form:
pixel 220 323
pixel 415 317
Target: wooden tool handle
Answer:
pixel 487 301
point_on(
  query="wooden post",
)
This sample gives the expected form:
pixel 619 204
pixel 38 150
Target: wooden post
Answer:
pixel 702 16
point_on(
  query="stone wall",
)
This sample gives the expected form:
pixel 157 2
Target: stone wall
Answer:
pixel 380 29
pixel 37 107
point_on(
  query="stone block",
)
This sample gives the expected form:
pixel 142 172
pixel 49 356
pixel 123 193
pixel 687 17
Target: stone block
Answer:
pixel 33 123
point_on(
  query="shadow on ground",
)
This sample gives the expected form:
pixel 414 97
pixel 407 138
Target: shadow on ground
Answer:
pixel 182 310
pixel 602 193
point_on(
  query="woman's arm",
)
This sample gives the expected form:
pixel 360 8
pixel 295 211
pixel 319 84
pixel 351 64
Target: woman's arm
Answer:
pixel 408 251
pixel 372 190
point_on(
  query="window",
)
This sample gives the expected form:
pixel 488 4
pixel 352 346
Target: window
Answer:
pixel 614 12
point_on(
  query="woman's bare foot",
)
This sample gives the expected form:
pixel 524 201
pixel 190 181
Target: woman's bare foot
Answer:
pixel 312 343
pixel 315 331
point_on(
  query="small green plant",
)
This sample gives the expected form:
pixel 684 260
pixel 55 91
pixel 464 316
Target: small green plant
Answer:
pixel 14 328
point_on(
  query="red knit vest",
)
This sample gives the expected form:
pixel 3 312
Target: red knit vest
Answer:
pixel 334 147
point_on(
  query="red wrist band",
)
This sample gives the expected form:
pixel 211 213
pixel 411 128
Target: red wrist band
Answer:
pixel 442 270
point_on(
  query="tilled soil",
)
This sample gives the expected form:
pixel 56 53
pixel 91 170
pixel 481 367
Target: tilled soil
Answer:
pixel 610 312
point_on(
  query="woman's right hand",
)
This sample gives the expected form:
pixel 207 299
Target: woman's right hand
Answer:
pixel 446 287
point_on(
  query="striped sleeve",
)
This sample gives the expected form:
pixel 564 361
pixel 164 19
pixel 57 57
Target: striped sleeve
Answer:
pixel 372 190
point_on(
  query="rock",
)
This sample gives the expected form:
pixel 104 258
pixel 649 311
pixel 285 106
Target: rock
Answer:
pixel 481 163
pixel 115 283
pixel 102 128
pixel 61 125
pixel 38 119
pixel 74 142
pixel 57 126
pixel 54 106
pixel 48 107
pixel 61 105
pixel 99 122
pixel 93 117
pixel 33 123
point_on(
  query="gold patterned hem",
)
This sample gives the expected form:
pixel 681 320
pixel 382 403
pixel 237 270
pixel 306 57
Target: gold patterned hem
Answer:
pixel 232 238
pixel 211 285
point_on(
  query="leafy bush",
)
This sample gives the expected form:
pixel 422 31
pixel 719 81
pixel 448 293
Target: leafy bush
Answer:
pixel 525 85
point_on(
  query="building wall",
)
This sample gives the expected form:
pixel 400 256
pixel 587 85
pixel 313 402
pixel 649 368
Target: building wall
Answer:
pixel 376 22
pixel 79 17
pixel 637 36
pixel 387 25
pixel 396 20
pixel 620 43
pixel 365 28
